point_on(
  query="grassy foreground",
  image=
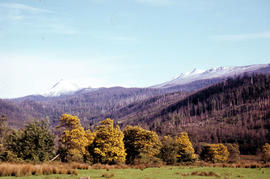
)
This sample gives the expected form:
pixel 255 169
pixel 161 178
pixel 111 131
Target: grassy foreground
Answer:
pixel 164 173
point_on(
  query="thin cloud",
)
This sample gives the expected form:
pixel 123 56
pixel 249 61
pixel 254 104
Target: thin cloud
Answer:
pixel 60 28
pixel 122 39
pixel 23 7
pixel 18 12
pixel 12 17
pixel 38 18
pixel 149 2
pixel 155 2
pixel 240 37
pixel 115 38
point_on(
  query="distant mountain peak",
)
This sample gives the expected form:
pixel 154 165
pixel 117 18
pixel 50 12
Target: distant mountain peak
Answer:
pixel 215 72
pixel 64 87
pixel 67 87
pixel 195 70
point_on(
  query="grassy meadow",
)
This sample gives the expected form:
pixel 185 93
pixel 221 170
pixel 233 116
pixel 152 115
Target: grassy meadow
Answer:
pixel 165 172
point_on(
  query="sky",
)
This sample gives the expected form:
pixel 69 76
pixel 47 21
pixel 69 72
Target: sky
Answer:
pixel 129 43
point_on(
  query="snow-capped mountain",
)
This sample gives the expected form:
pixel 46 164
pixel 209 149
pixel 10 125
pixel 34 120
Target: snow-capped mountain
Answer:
pixel 213 73
pixel 193 80
pixel 65 87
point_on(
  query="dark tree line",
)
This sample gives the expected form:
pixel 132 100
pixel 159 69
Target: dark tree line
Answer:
pixel 236 110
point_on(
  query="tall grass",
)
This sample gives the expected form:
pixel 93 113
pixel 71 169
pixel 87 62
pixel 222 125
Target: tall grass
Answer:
pixel 27 169
pixel 9 169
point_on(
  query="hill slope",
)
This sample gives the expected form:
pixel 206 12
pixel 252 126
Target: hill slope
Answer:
pixel 87 105
pixel 237 110
pixel 233 111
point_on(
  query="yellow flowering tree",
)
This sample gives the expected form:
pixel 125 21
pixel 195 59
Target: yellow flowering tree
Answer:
pixel 73 139
pixel 185 151
pixel 108 146
pixel 214 153
pixel 266 152
pixel 142 146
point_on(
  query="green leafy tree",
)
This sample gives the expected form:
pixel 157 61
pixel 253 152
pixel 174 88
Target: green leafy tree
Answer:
pixel 13 147
pixel 108 146
pixel 3 134
pixel 73 141
pixel 266 152
pixel 234 155
pixel 214 153
pixel 142 146
pixel 185 151
pixel 3 129
pixel 169 149
pixel 35 142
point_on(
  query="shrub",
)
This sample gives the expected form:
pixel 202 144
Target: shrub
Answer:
pixel 185 151
pixel 146 159
pixel 9 156
pixel 214 153
pixel 107 175
pixel 234 155
pixel 169 149
pixel 196 173
pixel 266 152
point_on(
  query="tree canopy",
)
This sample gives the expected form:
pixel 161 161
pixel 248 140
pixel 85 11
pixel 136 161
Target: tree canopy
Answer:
pixel 140 144
pixel 108 146
pixel 73 139
pixel 214 153
pixel 185 151
pixel 34 142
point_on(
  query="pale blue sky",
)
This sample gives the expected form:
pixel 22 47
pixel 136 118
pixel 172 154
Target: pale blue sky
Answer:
pixel 125 42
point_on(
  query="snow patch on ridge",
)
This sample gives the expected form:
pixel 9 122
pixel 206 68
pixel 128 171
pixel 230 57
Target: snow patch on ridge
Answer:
pixel 219 72
pixel 64 87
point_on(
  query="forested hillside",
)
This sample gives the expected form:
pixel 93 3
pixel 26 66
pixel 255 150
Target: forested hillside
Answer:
pixel 92 105
pixel 86 105
pixel 237 110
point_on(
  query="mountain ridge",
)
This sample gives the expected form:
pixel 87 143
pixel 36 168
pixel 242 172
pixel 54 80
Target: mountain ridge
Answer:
pixel 92 105
pixel 219 72
pixel 236 110
pixel 67 87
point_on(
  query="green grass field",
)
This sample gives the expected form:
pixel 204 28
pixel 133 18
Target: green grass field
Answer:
pixel 164 173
